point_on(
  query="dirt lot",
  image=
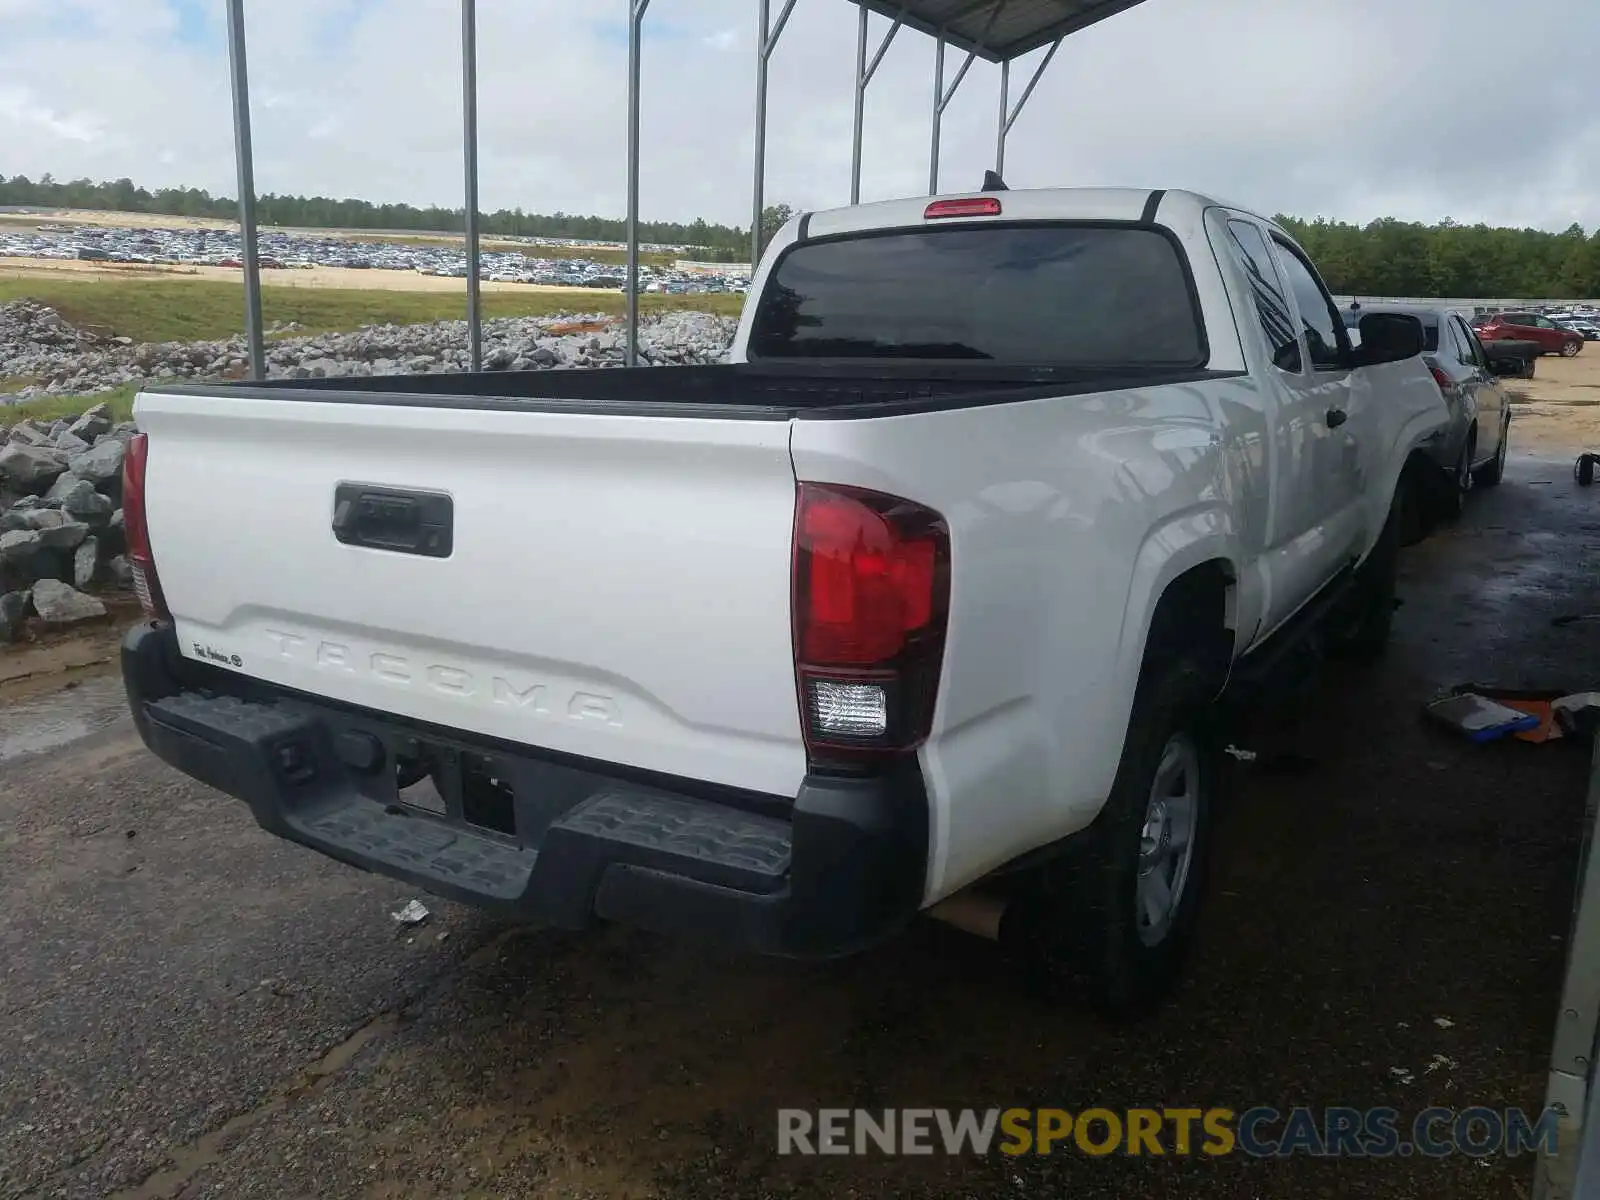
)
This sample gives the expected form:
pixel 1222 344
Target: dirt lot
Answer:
pixel 1560 406
pixel 194 1009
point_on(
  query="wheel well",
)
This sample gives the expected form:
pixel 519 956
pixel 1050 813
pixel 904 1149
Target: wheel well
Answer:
pixel 1419 491
pixel 1194 619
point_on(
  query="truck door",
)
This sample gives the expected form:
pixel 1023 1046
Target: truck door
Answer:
pixel 1312 465
pixel 1342 421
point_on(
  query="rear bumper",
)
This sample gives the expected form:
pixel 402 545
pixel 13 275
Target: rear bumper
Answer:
pixel 836 869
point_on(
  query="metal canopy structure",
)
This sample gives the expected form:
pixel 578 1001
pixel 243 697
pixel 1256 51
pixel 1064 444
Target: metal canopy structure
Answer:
pixel 997 31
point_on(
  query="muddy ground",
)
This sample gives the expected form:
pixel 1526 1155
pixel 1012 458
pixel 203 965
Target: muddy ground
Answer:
pixel 191 1008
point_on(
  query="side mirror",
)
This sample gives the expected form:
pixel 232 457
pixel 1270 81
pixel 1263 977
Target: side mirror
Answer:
pixel 1388 337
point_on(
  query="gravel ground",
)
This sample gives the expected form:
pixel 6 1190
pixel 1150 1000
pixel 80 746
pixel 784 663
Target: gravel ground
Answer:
pixel 191 1008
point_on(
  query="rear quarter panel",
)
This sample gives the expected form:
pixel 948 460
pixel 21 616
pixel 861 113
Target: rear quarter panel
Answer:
pixel 1068 517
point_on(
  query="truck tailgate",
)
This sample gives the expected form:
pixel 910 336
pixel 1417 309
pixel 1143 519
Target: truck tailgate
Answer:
pixel 617 586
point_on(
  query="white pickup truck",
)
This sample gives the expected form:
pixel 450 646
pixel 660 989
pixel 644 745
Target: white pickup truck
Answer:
pixel 933 589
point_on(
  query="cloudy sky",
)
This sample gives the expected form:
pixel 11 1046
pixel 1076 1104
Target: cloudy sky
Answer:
pixel 1350 108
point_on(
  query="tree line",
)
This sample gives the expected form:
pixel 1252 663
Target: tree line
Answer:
pixel 1404 258
pixel 1386 257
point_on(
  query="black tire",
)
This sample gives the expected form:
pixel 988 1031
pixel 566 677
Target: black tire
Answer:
pixel 1490 474
pixel 1361 632
pixel 1528 367
pixel 1455 501
pixel 1570 349
pixel 1077 928
pixel 1583 472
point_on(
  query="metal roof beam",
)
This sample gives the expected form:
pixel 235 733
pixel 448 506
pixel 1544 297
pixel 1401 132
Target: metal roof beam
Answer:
pixel 927 17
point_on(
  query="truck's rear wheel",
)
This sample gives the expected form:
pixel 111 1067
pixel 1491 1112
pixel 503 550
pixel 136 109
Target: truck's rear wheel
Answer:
pixel 1112 916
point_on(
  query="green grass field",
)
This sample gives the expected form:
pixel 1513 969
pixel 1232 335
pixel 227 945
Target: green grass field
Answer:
pixel 120 400
pixel 181 310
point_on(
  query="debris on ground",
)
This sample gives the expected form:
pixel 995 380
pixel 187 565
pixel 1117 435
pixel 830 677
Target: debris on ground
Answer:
pixel 1578 714
pixel 411 914
pixel 1479 718
pixel 1444 1022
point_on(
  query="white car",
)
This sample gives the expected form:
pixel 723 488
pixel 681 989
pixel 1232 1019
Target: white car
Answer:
pixel 926 599
pixel 1589 327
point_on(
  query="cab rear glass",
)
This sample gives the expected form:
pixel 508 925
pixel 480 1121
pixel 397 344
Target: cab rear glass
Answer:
pixel 1059 295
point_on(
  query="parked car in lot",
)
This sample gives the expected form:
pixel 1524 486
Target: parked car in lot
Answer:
pixel 1587 326
pixel 925 600
pixel 1471 449
pixel 1532 327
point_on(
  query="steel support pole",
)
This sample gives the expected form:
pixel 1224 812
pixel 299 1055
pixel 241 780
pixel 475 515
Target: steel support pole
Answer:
pixel 247 189
pixel 1004 126
pixel 942 98
pixel 861 107
pixel 938 113
pixel 635 28
pixel 766 42
pixel 469 145
pixel 864 73
pixel 758 191
pixel 1008 119
pixel 1571 1172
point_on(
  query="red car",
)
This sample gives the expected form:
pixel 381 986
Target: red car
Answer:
pixel 1531 327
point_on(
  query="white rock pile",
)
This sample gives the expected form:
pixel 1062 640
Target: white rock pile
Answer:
pixel 61 525
pixel 36 344
pixel 61 481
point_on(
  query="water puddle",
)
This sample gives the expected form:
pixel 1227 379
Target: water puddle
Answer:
pixel 44 723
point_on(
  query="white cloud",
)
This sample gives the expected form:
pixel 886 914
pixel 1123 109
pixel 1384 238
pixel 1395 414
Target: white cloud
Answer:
pixel 21 108
pixel 1356 109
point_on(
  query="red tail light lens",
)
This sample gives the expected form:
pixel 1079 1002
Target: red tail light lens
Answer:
pixel 1444 381
pixel 146 585
pixel 977 206
pixel 871 600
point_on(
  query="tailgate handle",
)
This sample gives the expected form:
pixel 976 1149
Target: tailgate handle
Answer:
pixel 401 520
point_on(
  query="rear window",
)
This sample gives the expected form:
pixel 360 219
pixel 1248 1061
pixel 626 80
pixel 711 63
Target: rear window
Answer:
pixel 1048 295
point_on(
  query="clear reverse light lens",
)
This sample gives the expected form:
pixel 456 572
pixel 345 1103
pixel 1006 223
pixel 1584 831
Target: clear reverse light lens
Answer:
pixel 853 710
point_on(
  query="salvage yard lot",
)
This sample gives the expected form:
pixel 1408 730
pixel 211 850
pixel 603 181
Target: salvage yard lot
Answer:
pixel 194 1008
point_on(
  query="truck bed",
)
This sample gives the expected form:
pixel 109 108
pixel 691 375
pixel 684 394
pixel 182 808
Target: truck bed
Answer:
pixel 756 391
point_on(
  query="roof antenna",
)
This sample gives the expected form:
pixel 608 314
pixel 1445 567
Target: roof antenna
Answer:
pixel 993 183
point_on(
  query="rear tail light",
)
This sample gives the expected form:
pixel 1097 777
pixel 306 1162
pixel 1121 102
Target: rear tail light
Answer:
pixel 977 206
pixel 1444 381
pixel 871 602
pixel 146 585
